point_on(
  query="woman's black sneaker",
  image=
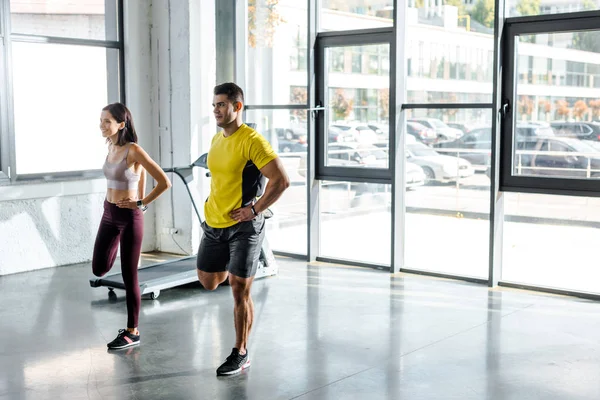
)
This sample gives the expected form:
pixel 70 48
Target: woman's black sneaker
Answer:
pixel 123 340
pixel 234 363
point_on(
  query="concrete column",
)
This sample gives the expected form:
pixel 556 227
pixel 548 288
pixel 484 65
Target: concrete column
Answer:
pixel 138 91
pixel 183 69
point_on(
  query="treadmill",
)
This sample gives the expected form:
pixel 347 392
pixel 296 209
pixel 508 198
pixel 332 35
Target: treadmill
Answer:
pixel 164 275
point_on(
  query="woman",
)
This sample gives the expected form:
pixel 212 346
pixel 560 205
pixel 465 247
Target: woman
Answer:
pixel 123 220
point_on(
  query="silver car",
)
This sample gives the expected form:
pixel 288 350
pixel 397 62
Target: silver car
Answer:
pixel 438 167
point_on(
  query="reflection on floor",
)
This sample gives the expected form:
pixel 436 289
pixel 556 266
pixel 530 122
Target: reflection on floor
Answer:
pixel 321 332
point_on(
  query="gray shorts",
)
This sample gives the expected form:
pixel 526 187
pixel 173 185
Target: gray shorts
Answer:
pixel 235 249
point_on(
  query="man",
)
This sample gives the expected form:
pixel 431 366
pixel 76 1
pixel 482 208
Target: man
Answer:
pixel 239 160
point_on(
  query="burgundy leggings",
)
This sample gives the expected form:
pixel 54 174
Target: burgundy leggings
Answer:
pixel 126 226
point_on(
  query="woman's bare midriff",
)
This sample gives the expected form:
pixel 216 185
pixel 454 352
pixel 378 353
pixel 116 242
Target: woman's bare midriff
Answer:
pixel 114 195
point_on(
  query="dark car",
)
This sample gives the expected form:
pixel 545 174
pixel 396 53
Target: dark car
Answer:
pixel 476 145
pixel 557 157
pixel 580 130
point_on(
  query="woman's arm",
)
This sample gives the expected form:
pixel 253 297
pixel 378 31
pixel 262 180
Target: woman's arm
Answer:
pixel 142 184
pixel 137 154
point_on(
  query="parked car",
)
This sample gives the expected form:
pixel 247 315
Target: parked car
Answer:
pixel 360 132
pixel 380 129
pixel 291 133
pixel 415 176
pixel 337 135
pixel 421 132
pixel 533 129
pixel 438 167
pixel 292 146
pixel 580 130
pixel 529 158
pixel 476 145
pixel 357 155
pixel 442 131
pixel 465 127
pixel 383 134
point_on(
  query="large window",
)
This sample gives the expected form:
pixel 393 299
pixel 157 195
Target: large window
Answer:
pixel 277 47
pixel 81 19
pixel 67 63
pixel 353 84
pixel 550 241
pixel 276 99
pixel 551 130
pixel 356 222
pixel 447 217
pixel 286 131
pixel 364 14
pixel 454 199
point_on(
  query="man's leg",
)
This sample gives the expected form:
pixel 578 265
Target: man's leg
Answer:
pixel 245 242
pixel 212 258
pixel 243 311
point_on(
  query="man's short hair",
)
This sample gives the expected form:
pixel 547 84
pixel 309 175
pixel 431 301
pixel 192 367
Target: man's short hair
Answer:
pixel 234 92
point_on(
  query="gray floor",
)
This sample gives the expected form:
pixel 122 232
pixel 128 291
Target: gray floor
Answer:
pixel 321 332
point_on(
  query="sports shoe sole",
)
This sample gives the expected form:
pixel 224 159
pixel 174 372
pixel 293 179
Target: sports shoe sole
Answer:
pixel 124 346
pixel 235 371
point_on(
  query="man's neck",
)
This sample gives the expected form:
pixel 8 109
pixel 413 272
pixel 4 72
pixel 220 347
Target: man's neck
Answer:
pixel 232 128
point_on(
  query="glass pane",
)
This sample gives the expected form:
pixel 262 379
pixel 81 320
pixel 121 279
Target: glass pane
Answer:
pixel 342 15
pixel 519 8
pixel 551 241
pixel 286 130
pixel 57 108
pixel 357 117
pixel 277 52
pixel 557 133
pixel 82 19
pixel 356 222
pixel 450 52
pixel 450 214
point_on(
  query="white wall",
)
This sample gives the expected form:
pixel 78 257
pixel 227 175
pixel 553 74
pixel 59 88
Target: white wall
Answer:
pixel 170 73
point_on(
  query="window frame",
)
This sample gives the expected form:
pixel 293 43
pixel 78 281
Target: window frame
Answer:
pixel 337 39
pixel 5 109
pixel 539 24
pixel 116 81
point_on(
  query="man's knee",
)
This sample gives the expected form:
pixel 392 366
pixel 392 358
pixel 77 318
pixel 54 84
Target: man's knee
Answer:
pixel 210 281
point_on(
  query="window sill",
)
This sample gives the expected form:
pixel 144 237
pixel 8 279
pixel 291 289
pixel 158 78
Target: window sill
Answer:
pixel 24 190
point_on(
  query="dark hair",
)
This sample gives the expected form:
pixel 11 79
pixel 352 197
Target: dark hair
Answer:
pixel 122 114
pixel 234 92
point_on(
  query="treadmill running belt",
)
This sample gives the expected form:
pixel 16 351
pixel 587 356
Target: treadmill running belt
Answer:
pixel 159 271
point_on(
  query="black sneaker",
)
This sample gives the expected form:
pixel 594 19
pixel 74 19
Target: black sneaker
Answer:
pixel 123 340
pixel 234 363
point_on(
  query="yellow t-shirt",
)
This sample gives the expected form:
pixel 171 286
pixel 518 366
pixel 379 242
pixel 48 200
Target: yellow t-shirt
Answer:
pixel 234 163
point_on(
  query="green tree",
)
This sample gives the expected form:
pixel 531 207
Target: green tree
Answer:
pixel 483 12
pixel 588 41
pixel 528 7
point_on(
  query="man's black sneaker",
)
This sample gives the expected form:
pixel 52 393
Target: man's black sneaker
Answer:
pixel 123 340
pixel 234 363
